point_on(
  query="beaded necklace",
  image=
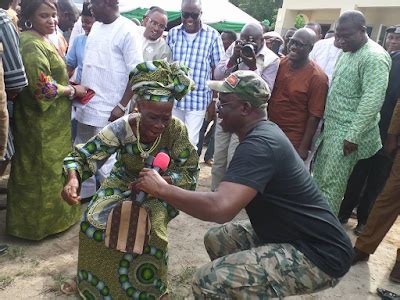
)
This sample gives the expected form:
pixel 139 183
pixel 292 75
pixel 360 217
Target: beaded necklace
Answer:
pixel 145 154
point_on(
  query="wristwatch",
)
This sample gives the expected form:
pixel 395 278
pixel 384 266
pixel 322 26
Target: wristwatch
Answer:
pixel 123 108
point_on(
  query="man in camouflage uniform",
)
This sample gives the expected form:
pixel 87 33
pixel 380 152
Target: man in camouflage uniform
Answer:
pixel 292 243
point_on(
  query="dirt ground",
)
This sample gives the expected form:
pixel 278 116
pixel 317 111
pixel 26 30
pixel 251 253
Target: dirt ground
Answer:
pixel 35 270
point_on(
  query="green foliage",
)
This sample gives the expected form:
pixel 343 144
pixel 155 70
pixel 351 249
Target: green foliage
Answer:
pixel 260 9
pixel 299 22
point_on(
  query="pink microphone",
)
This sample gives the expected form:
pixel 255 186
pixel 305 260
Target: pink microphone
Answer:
pixel 160 163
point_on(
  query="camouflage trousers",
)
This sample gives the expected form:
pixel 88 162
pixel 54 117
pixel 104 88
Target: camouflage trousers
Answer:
pixel 243 267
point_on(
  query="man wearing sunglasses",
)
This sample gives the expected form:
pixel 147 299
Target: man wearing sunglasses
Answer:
pixel 291 243
pixel 200 48
pixel 298 99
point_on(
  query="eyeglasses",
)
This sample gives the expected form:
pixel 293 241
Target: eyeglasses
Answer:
pixel 220 105
pixel 296 43
pixel 154 23
pixel 187 15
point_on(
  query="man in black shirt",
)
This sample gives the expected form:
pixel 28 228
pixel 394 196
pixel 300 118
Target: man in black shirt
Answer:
pixel 292 243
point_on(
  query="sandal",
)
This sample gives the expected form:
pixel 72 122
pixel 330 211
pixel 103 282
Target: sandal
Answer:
pixel 69 287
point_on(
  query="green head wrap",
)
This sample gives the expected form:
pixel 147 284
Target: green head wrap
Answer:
pixel 160 81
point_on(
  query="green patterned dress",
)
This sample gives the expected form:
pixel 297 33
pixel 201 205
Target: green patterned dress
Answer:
pixel 42 138
pixel 104 273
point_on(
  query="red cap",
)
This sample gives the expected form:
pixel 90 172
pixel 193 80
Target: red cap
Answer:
pixel 161 161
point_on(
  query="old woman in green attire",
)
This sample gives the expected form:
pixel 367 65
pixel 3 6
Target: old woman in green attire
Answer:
pixel 105 273
pixel 42 131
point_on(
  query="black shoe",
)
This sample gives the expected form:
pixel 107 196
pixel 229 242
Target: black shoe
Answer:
pixel 359 229
pixel 387 295
pixel 359 256
pixel 3 249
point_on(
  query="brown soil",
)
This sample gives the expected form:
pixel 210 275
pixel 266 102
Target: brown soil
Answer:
pixel 35 270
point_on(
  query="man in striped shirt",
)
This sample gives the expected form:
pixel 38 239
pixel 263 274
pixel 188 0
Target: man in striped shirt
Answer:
pixel 13 81
pixel 199 47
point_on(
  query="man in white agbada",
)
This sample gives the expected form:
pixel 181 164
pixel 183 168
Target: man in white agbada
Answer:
pixel 113 49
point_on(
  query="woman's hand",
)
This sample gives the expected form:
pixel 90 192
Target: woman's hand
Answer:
pixel 80 91
pixel 151 182
pixel 71 190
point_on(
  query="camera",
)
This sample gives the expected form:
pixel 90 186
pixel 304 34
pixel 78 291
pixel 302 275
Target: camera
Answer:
pixel 248 48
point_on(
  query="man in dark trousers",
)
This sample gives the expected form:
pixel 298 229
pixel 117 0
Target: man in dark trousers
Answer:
pixel 292 243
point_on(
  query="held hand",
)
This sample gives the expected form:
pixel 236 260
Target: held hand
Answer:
pixel 303 153
pixel 151 182
pixel 71 190
pixel 80 91
pixel 390 145
pixel 116 113
pixel 250 61
pixel 349 147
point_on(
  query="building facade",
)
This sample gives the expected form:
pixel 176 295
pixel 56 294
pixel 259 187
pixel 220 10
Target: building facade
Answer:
pixel 379 14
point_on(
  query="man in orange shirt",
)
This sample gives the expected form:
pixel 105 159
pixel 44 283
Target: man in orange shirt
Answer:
pixel 298 99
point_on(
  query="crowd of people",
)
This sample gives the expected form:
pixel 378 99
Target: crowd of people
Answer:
pixel 304 130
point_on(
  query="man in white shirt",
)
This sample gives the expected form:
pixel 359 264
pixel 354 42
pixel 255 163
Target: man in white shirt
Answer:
pixel 113 49
pixel 325 54
pixel 262 61
pixel 154 47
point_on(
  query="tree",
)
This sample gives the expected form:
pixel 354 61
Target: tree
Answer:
pixel 260 9
pixel 299 21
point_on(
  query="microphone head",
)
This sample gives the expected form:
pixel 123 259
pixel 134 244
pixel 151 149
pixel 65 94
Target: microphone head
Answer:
pixel 161 161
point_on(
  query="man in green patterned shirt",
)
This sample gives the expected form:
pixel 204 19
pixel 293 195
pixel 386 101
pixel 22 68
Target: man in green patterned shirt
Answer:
pixel 357 93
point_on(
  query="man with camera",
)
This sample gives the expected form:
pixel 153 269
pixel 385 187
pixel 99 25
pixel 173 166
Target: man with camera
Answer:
pixel 247 53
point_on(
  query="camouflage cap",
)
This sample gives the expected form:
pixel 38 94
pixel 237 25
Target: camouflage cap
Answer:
pixel 248 85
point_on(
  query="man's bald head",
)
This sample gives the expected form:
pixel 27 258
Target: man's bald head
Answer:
pixel 353 17
pixel 191 2
pixel 351 31
pixel 306 35
pixel 300 46
pixel 252 29
pixel 253 32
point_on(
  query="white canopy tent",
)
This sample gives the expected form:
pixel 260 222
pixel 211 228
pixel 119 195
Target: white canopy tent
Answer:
pixel 214 11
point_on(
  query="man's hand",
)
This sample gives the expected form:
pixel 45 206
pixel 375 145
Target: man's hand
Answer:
pixel 71 190
pixel 349 147
pixel 303 153
pixel 250 61
pixel 151 182
pixel 390 145
pixel 116 113
pixel 80 91
pixel 211 112
pixel 237 50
